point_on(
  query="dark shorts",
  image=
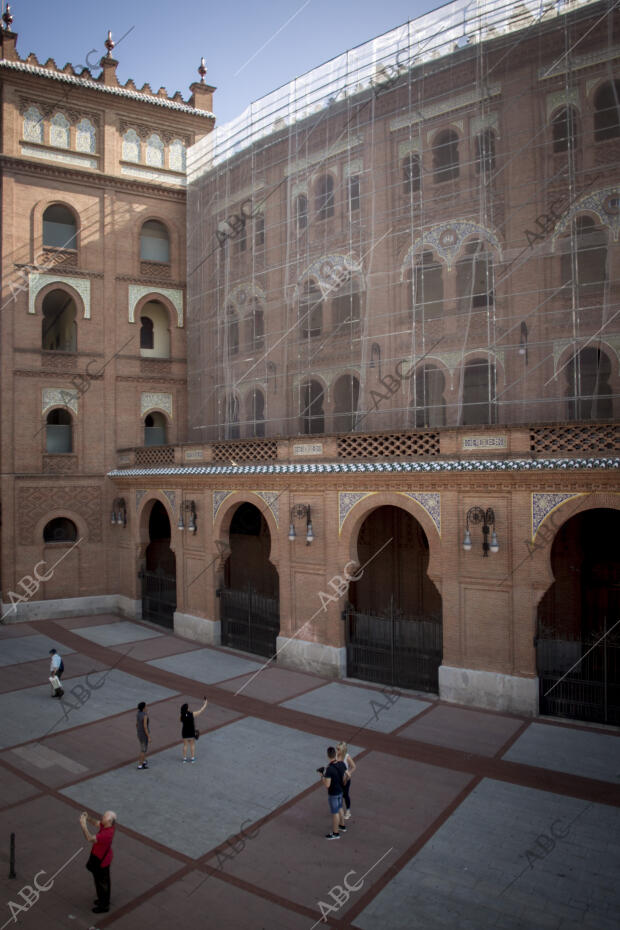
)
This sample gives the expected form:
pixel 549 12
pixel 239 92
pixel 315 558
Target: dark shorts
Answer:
pixel 335 802
pixel 144 744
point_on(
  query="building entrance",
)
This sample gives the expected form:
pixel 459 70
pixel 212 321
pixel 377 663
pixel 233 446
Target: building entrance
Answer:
pixel 578 628
pixel 249 601
pixel 394 626
pixel 159 585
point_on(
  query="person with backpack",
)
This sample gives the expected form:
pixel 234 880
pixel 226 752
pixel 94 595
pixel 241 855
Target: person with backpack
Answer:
pixel 57 667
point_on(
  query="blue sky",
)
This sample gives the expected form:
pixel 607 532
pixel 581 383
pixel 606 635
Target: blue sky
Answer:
pixel 250 48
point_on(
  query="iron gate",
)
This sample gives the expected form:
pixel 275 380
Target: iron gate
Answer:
pixel 391 649
pixel 580 677
pixel 159 597
pixel 250 621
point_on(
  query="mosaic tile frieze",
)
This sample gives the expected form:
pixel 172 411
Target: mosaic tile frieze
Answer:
pixel 172 497
pixel 447 240
pixel 173 294
pixel 218 499
pixel 347 500
pixel 603 203
pixel 430 502
pixel 330 272
pixel 154 399
pixel 139 496
pixel 544 503
pixel 59 397
pixel 38 280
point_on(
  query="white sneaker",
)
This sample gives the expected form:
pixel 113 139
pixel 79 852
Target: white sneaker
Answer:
pixel 347 816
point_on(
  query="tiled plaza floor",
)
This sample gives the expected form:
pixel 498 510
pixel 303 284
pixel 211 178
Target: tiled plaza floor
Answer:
pixel 461 818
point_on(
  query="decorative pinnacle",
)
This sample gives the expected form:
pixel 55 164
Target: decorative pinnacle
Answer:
pixel 202 70
pixel 109 44
pixel 7 18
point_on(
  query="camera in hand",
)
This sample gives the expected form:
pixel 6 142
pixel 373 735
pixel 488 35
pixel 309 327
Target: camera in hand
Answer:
pixel 321 769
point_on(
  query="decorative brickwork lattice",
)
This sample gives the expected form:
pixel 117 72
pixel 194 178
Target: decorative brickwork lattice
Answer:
pixel 34 503
pixel 157 270
pixel 155 455
pixel 553 439
pixel 60 464
pixel 58 361
pixel 154 367
pixel 247 451
pixel 388 445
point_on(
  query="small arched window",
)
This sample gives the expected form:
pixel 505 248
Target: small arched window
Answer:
pixel 446 156
pixel 33 125
pixel 59 131
pixel 429 405
pixel 155 429
pixel 256 412
pixel 59 227
pixel 311 311
pixel 584 259
pixel 154 151
pixel 131 146
pixel 154 243
pixel 176 156
pixel 301 212
pixel 427 284
pixel 324 197
pixel 312 415
pixel 411 173
pixel 353 188
pixel 58 326
pixel 59 432
pixel 147 340
pixel 231 412
pixel 607 111
pixel 479 392
pixel 256 321
pixel 485 153
pixel 589 391
pixel 564 127
pixel 346 397
pixel 85 136
pixel 60 530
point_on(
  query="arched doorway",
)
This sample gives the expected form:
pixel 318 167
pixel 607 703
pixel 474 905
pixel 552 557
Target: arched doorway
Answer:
pixel 394 628
pixel 159 584
pixel 249 598
pixel 577 647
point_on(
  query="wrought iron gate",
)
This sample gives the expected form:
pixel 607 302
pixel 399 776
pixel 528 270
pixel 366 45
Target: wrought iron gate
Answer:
pixel 159 597
pixel 250 621
pixel 580 677
pixel 391 649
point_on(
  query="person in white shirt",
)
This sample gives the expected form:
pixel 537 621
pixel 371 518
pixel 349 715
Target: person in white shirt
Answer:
pixel 57 667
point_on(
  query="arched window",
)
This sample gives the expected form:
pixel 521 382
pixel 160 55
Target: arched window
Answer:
pixel 607 112
pixel 485 153
pixel 346 397
pixel 60 530
pixel 131 146
pixel 154 151
pixel 589 391
pixel 353 188
pixel 301 212
pixel 564 128
pixel 411 173
pixel 59 227
pixel 147 340
pixel 231 412
pixel 154 243
pixel 429 405
pixel 256 412
pixel 346 306
pixel 59 131
pixel 59 327
pixel 176 155
pixel 479 392
pixel 155 429
pixel 85 136
pixel 427 285
pixel 59 432
pixel 446 156
pixel 474 277
pixel 256 324
pixel 154 330
pixel 311 311
pixel 311 414
pixel 584 258
pixel 232 331
pixel 259 231
pixel 33 125
pixel 324 197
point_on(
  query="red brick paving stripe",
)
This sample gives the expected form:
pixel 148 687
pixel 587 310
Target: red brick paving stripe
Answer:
pixel 587 789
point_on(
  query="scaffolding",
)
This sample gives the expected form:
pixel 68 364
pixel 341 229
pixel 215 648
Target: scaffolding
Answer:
pixel 418 234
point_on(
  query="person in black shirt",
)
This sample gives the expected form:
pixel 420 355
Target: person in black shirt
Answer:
pixel 332 779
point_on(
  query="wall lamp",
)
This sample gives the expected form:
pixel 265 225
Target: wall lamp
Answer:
pixel 298 512
pixel 487 518
pixel 187 507
pixel 119 512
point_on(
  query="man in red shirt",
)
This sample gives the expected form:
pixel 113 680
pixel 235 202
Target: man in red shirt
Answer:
pixel 100 857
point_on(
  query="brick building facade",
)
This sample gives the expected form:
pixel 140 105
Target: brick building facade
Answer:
pixel 393 453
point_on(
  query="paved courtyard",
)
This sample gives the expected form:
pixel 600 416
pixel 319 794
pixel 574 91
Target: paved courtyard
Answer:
pixel 461 818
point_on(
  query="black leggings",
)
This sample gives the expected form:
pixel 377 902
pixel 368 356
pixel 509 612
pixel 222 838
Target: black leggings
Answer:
pixel 345 794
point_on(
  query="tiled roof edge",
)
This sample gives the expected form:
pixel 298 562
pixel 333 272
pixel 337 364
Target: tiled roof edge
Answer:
pixel 94 85
pixel 546 464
